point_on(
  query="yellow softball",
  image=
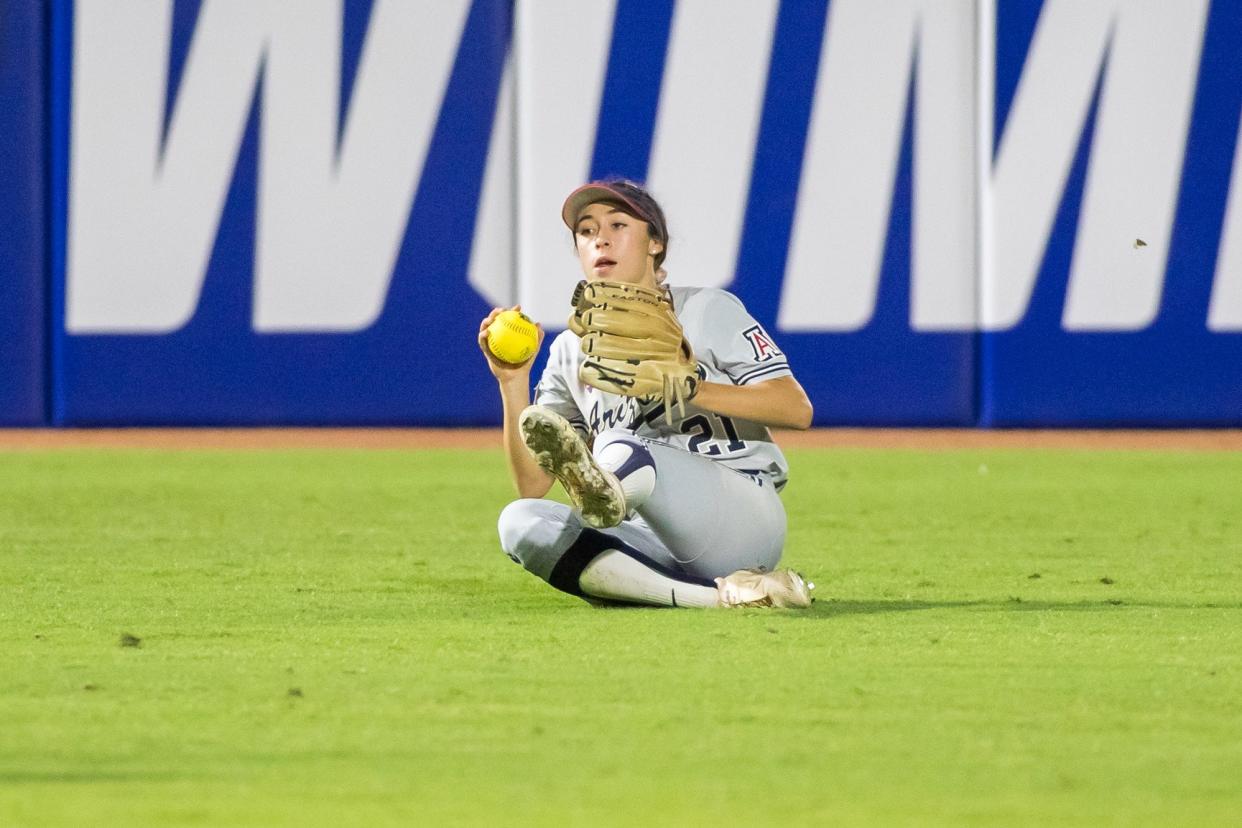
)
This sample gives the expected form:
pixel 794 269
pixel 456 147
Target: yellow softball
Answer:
pixel 512 337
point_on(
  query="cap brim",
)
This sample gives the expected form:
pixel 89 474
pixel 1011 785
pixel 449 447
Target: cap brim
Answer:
pixel 590 194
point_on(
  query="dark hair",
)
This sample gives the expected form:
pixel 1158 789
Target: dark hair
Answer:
pixel 632 198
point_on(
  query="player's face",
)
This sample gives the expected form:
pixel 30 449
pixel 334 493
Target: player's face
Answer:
pixel 616 246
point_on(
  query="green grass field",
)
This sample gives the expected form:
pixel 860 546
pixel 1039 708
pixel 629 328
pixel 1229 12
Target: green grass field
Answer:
pixel 334 638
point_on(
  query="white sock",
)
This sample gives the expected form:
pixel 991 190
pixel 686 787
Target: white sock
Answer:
pixel 638 484
pixel 618 577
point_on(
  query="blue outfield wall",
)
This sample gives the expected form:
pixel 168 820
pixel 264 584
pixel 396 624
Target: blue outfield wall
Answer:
pixel 1173 371
pixel 409 367
pixel 22 218
pixel 315 240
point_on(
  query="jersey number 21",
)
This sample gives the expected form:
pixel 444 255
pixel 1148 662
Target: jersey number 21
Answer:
pixel 703 429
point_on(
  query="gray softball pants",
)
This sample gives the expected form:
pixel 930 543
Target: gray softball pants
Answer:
pixel 703 520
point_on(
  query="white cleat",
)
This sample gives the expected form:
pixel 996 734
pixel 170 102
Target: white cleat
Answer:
pixel 758 588
pixel 560 452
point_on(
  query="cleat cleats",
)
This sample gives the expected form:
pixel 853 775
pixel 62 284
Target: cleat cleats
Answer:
pixel 560 452
pixel 782 588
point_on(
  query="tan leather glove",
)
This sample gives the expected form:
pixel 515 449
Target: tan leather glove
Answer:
pixel 633 344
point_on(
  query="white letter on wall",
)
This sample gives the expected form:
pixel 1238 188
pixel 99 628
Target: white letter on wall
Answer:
pixel 142 222
pixel 331 224
pixel 704 144
pixel 852 149
pixel 1135 161
pixel 561 49
pixel 1225 309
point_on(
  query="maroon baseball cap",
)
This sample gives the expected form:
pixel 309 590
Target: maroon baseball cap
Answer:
pixel 625 194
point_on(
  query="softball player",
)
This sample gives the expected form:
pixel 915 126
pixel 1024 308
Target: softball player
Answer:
pixel 673 505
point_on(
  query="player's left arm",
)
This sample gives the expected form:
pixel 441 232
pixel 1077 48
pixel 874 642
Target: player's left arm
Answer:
pixel 760 386
pixel 777 402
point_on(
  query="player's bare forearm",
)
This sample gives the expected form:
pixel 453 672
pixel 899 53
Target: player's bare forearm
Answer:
pixel 528 478
pixel 776 402
pixel 514 382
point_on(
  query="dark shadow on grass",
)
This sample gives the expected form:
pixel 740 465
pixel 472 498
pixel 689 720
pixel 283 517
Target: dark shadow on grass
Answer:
pixel 830 608
pixel 20 777
pixel 835 607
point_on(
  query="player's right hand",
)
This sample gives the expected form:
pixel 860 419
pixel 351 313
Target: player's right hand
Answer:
pixel 504 371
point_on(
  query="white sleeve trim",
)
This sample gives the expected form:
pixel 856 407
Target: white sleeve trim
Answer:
pixel 766 371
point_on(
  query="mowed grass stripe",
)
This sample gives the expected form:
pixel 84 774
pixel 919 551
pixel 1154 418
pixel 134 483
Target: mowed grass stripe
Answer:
pixel 334 636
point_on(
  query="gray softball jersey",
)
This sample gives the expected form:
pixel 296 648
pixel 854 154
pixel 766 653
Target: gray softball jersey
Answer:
pixel 731 347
